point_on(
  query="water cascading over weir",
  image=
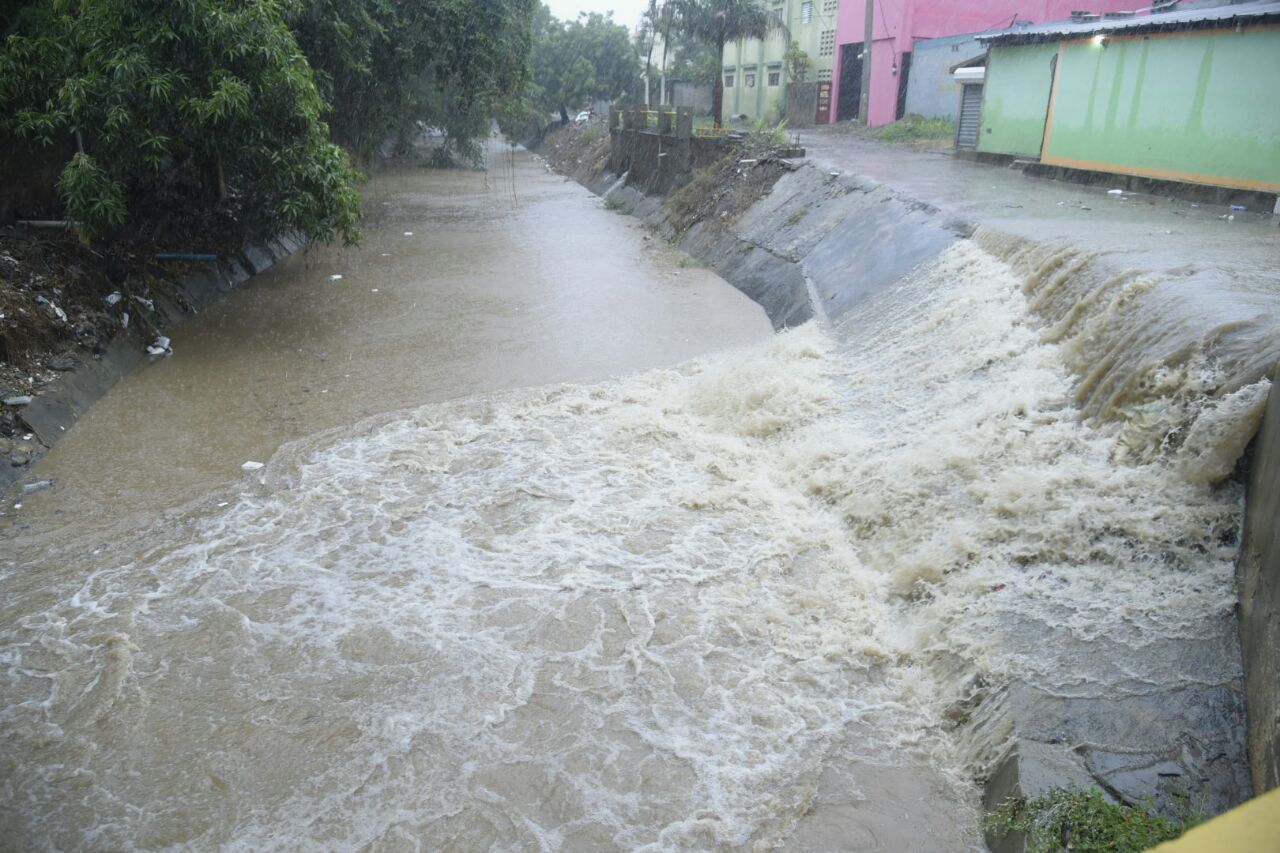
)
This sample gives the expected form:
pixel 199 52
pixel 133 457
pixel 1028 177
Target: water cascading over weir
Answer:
pixel 1043 451
pixel 972 515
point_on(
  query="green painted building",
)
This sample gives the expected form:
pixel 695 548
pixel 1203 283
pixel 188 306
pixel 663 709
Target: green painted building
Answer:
pixel 1184 96
pixel 755 79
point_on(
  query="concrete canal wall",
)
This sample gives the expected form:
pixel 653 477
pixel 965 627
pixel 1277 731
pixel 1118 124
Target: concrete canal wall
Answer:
pixel 1259 581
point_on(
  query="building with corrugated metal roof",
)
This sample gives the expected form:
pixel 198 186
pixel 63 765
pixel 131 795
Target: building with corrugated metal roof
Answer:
pixel 1179 95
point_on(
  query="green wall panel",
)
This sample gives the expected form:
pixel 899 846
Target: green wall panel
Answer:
pixel 1015 99
pixel 1201 106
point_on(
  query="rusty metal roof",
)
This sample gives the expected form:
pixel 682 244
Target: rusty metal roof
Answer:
pixel 1219 17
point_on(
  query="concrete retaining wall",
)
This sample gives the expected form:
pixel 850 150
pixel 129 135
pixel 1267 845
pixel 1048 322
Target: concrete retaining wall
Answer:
pixel 1259 581
pixel 660 162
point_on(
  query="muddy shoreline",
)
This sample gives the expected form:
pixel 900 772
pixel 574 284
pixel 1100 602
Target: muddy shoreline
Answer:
pixel 73 380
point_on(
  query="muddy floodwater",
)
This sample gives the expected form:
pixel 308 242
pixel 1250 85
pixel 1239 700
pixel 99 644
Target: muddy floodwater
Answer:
pixel 464 282
pixel 556 546
pixel 498 623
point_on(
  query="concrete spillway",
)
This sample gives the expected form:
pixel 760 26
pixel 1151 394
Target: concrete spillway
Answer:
pixel 727 590
pixel 1129 677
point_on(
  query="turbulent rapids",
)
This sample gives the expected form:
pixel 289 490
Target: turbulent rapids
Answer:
pixel 646 613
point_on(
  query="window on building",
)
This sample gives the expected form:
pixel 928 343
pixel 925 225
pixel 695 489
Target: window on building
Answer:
pixel 806 13
pixel 749 80
pixel 728 81
pixel 775 78
pixel 778 17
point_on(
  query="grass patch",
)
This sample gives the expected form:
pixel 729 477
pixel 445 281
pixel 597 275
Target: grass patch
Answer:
pixel 1082 819
pixel 683 204
pixel 690 263
pixel 916 128
pixel 617 205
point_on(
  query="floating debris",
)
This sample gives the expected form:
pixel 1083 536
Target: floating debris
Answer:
pixel 252 466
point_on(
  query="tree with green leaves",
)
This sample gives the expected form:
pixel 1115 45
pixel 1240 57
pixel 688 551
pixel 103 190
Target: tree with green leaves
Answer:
pixel 680 56
pixel 797 61
pixel 717 23
pixel 237 104
pixel 210 99
pixel 684 57
pixel 384 65
pixel 576 62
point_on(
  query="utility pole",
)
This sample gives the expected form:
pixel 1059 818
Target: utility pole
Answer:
pixel 864 102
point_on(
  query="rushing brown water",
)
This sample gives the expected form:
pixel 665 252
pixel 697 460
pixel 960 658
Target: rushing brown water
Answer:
pixel 490 689
pixel 720 604
pixel 465 282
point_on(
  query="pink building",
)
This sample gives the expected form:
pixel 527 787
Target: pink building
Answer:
pixel 899 23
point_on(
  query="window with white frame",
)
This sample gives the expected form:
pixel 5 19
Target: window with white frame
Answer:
pixel 775 76
pixel 728 80
pixel 749 79
pixel 806 12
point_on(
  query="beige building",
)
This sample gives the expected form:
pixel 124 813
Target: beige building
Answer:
pixel 755 76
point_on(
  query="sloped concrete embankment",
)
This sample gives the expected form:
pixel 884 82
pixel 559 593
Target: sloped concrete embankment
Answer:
pixel 51 414
pixel 815 244
pixel 1259 582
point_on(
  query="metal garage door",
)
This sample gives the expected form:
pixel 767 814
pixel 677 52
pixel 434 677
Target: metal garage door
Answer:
pixel 970 117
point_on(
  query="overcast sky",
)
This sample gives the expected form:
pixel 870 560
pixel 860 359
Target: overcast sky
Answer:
pixel 624 11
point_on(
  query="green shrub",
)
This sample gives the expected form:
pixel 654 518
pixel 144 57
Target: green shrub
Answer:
pixel 764 138
pixel 1082 819
pixel 617 205
pixel 91 195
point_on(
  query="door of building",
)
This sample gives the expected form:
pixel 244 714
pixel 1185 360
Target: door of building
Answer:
pixel 824 103
pixel 970 117
pixel 904 81
pixel 850 81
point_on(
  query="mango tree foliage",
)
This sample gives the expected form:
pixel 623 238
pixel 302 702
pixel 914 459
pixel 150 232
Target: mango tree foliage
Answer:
pixel 577 62
pixel 384 65
pixel 211 99
pixel 687 59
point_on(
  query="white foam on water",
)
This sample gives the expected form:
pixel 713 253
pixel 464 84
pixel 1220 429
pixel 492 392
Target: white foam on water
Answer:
pixel 642 614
